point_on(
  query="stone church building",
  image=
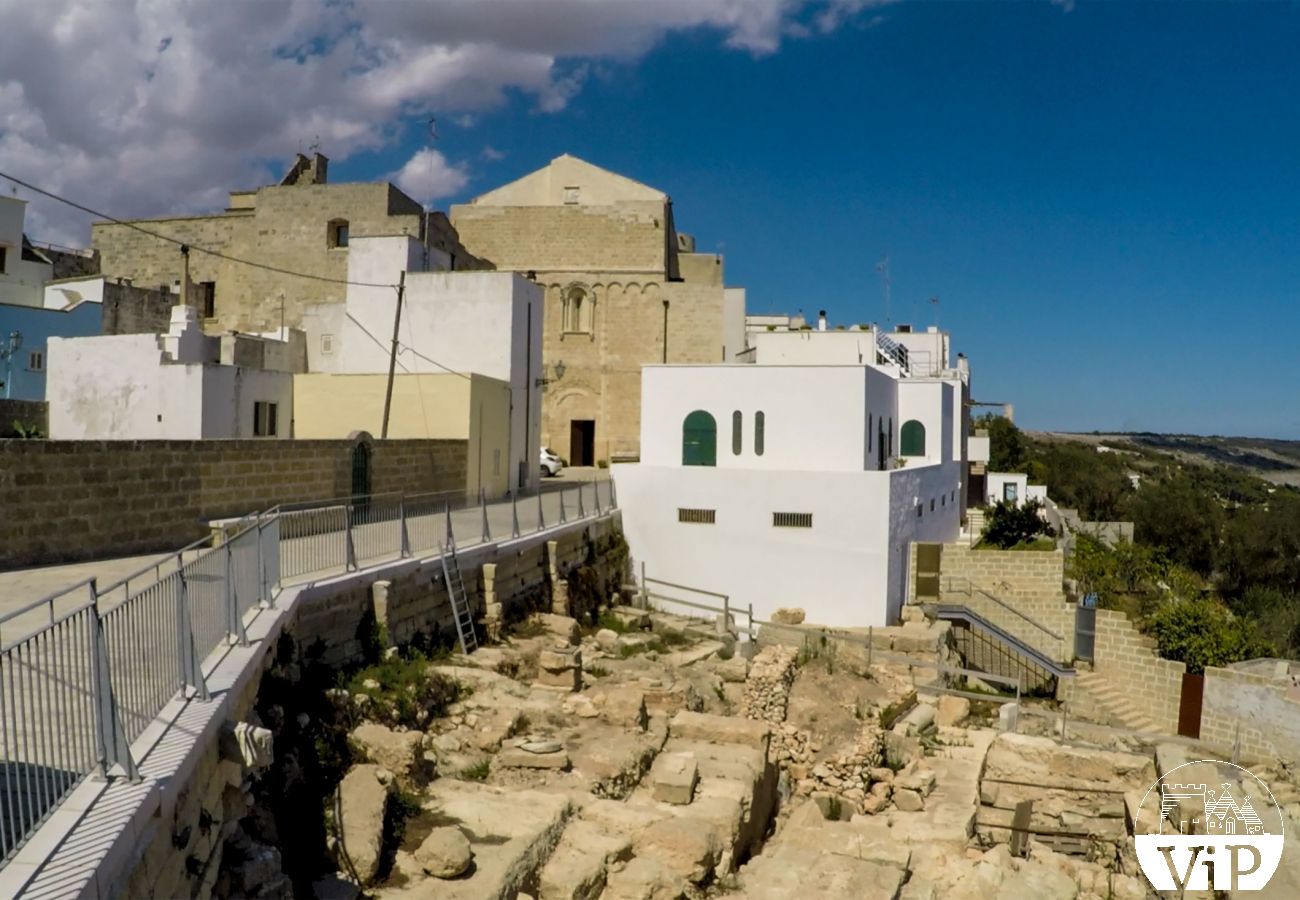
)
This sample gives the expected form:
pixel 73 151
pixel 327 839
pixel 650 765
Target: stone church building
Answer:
pixel 623 288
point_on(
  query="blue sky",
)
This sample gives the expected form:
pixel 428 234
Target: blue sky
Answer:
pixel 1106 201
pixel 1104 196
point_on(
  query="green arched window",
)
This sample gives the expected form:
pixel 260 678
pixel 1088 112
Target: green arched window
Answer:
pixel 912 439
pixel 699 440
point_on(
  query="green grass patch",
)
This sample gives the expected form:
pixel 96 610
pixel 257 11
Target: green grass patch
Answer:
pixel 408 693
pixel 477 772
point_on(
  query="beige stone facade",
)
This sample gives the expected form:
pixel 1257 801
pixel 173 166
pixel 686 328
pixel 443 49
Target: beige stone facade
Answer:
pixel 292 226
pixel 623 289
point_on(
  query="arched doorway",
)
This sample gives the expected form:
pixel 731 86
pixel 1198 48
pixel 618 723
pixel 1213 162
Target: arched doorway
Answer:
pixel 699 440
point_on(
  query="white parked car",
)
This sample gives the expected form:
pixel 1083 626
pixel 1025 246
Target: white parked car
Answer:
pixel 551 463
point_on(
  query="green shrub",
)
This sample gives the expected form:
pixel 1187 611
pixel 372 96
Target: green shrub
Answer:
pixel 1010 526
pixel 1203 633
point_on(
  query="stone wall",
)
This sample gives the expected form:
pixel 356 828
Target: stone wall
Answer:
pixel 628 237
pixel 1153 685
pixel 282 226
pixel 1029 581
pixel 131 309
pixel 28 413
pixel 76 500
pixel 409 599
pixel 1263 712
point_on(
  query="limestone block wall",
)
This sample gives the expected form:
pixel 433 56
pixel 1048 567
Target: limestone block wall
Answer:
pixel 283 226
pixel 627 237
pixel 136 309
pixel 1029 581
pixel 76 500
pixel 1153 685
pixel 28 413
pixel 1263 712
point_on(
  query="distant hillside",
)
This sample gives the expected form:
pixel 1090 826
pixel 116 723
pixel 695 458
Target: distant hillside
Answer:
pixel 1276 461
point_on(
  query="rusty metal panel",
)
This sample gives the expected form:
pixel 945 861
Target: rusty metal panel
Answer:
pixel 1189 705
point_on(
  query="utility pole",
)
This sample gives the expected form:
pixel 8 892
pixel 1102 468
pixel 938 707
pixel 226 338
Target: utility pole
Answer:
pixel 392 356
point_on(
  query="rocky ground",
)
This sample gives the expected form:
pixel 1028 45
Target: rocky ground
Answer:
pixel 650 759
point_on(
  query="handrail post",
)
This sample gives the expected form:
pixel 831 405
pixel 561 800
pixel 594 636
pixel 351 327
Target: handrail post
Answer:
pixel 482 502
pixel 350 562
pixel 613 493
pixel 541 516
pixel 871 643
pixel 234 621
pixel 405 549
pixel 596 490
pixel 582 509
pixel 448 540
pixel 563 517
pixel 110 738
pixel 191 672
pixel 514 514
pixel 263 590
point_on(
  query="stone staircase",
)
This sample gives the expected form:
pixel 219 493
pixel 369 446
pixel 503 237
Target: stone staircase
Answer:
pixel 1096 694
pixel 975 521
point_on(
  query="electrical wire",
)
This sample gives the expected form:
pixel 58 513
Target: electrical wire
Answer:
pixel 209 251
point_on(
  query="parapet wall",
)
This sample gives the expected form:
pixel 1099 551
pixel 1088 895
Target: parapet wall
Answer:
pixel 67 501
pixel 1263 713
pixel 1153 685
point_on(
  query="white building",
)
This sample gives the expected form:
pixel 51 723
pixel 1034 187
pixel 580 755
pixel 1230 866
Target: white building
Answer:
pixel 471 322
pixel 23 271
pixel 171 386
pixel 792 483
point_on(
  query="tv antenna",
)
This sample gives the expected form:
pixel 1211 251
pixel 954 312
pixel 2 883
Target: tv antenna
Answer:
pixel 883 268
pixel 934 302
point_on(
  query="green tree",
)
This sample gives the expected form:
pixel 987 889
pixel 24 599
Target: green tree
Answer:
pixel 1007 447
pixel 1010 525
pixel 1181 520
pixel 1204 633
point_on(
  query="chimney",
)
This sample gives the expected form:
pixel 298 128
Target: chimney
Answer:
pixel 821 320
pixel 318 169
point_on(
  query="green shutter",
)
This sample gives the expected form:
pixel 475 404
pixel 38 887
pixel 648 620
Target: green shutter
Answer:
pixel 912 439
pixel 699 440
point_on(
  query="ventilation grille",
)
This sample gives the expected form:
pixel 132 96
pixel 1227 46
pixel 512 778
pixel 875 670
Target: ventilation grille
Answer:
pixel 791 520
pixel 697 516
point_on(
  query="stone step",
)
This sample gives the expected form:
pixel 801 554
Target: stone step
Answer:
pixel 1107 695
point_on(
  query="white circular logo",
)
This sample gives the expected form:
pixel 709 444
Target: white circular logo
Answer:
pixel 1215 826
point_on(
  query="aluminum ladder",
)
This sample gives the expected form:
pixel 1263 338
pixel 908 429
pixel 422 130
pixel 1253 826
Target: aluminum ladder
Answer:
pixel 460 613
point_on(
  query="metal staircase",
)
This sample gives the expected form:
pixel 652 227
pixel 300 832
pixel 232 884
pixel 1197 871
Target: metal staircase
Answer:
pixel 891 351
pixel 460 611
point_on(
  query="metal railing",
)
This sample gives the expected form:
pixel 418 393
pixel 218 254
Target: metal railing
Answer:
pixel 1003 615
pixel 84 671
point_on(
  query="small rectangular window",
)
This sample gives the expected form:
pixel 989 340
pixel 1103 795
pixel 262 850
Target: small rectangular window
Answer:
pixel 208 298
pixel 920 510
pixel 697 516
pixel 264 418
pixel 931 504
pixel 36 361
pixel 571 195
pixel 326 344
pixel 791 520
pixel 760 423
pixel 3 251
pixel 737 426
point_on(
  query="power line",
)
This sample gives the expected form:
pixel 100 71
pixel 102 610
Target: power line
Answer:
pixel 162 237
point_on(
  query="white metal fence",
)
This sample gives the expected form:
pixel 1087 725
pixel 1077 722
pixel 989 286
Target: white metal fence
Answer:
pixel 84 671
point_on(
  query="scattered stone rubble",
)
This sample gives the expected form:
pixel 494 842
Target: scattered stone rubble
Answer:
pixel 606 766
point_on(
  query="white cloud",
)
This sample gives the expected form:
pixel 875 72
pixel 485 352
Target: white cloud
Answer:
pixel 492 154
pixel 427 176
pixel 152 107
